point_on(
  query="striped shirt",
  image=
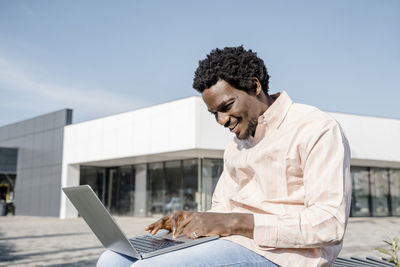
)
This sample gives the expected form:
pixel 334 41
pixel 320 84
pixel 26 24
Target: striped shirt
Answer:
pixel 294 177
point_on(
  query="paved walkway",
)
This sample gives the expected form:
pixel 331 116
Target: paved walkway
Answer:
pixel 41 241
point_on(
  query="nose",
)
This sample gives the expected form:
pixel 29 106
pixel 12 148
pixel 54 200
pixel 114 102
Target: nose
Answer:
pixel 223 119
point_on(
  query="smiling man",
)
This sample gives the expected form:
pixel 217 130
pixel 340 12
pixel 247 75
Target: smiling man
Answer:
pixel 284 195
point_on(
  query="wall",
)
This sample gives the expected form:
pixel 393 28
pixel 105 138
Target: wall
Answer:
pixel 373 141
pixel 40 143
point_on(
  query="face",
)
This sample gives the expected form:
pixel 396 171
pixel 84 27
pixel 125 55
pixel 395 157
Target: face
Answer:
pixel 233 108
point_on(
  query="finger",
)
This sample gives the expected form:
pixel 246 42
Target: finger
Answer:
pixel 181 226
pixel 155 230
pixel 149 227
pixel 173 224
pixel 154 227
pixel 175 218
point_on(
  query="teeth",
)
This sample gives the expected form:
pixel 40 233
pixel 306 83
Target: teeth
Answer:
pixel 233 127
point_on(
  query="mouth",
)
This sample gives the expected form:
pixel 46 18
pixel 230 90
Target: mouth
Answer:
pixel 233 127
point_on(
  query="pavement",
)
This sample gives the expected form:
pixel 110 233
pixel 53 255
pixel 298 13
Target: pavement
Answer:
pixel 46 241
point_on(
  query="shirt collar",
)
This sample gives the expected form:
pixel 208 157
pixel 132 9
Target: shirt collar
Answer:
pixel 276 113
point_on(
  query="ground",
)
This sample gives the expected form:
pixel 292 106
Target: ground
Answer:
pixel 45 241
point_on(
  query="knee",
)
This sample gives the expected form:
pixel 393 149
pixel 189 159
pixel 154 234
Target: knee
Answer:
pixel 109 258
pixel 105 258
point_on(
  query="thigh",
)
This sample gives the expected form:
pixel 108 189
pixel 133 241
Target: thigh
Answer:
pixel 214 253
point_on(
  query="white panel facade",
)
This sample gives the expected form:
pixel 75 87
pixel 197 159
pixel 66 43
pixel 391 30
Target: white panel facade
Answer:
pixel 371 138
pixel 158 129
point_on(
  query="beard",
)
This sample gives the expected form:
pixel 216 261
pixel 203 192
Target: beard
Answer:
pixel 251 129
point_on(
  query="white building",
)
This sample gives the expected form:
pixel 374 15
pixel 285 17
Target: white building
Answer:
pixel 169 156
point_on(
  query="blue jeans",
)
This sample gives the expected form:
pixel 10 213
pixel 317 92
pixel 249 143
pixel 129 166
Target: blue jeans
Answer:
pixel 213 253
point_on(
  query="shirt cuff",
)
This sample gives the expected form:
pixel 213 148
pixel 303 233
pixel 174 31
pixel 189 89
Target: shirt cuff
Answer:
pixel 219 208
pixel 265 230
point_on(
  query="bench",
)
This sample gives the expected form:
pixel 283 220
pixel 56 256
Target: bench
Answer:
pixel 358 262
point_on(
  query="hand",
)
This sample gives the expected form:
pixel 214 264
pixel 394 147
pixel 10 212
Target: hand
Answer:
pixel 169 222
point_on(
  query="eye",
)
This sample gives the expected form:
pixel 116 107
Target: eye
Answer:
pixel 227 107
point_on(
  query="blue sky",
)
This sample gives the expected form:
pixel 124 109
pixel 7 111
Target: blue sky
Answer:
pixel 105 57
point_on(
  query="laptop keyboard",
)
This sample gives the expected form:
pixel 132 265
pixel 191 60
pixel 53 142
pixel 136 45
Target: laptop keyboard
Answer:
pixel 149 243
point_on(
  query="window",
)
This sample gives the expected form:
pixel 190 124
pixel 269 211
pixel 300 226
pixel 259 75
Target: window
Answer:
pixel 173 186
pixel 211 171
pixel 191 196
pixel 395 191
pixel 155 189
pixel 360 198
pixel 126 190
pixel 379 191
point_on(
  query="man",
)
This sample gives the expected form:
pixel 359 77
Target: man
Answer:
pixel 284 195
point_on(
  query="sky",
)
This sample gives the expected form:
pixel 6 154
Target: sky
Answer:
pixel 105 57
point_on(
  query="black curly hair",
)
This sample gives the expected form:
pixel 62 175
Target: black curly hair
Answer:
pixel 234 65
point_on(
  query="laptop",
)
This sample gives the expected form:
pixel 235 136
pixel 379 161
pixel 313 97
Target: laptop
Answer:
pixel 110 234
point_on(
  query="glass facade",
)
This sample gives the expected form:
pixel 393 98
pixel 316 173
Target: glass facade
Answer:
pixel 211 171
pixel 394 175
pixel 7 184
pixel 189 185
pixel 115 187
pixel 376 192
pixel 379 191
pixel 155 189
pixel 124 191
pixel 8 160
pixel 172 185
pixel 360 197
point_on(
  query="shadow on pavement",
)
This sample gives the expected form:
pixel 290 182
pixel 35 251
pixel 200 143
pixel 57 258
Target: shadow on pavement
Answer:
pixel 41 236
pixel 27 255
pixel 71 261
pixel 9 254
pixel 76 264
pixel 5 250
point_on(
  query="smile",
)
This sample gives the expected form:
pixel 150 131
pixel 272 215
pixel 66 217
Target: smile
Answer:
pixel 234 127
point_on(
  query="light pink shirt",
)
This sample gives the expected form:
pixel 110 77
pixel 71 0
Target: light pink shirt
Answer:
pixel 294 176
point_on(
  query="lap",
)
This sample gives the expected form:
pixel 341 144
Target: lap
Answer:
pixel 214 253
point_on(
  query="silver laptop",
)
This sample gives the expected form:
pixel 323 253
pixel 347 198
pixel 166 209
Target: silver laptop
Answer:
pixel 110 235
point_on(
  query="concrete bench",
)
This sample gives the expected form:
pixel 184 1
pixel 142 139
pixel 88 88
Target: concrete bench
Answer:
pixel 358 262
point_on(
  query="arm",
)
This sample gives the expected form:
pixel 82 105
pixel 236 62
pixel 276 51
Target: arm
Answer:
pixel 327 183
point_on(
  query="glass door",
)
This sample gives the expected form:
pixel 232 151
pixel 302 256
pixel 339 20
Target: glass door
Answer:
pixel 111 190
pixel 126 194
pixel 379 191
pixel 360 205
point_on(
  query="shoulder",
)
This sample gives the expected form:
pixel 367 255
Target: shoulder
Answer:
pixel 310 125
pixel 310 118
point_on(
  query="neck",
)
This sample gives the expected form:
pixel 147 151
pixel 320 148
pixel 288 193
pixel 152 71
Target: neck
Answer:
pixel 266 101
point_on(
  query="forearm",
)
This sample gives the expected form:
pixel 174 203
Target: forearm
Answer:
pixel 241 224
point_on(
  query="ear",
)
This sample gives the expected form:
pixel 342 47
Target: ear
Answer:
pixel 258 86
